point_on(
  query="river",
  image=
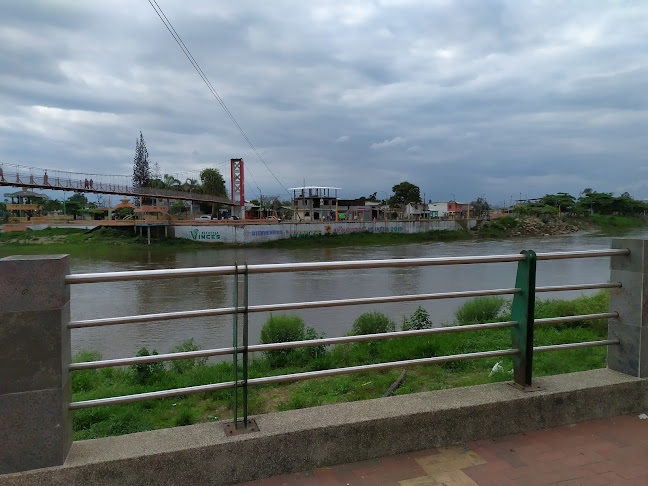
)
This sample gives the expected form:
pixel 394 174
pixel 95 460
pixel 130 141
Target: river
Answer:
pixel 144 297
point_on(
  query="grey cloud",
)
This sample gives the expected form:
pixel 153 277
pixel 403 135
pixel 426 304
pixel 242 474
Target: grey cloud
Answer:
pixel 543 96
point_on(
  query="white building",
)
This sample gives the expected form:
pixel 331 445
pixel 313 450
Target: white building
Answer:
pixel 438 209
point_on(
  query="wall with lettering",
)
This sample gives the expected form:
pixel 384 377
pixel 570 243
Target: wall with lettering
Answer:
pixel 251 233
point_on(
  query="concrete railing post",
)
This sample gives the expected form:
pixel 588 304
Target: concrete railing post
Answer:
pixel 35 423
pixel 631 302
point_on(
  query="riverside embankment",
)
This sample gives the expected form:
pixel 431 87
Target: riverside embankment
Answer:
pixel 144 297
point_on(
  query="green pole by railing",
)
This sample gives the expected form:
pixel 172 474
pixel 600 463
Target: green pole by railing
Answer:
pixel 245 346
pixel 246 425
pixel 235 344
pixel 523 312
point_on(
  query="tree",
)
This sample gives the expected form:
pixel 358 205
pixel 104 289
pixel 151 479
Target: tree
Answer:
pixel 479 206
pixel 157 183
pixel 171 182
pixel 74 208
pixel 405 193
pixel 80 199
pixel 124 212
pixel 562 200
pixel 141 165
pixel 52 205
pixel 178 207
pixel 214 184
pixel 191 185
pixel 596 202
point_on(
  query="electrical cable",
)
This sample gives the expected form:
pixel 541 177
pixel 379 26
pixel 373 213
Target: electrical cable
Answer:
pixel 160 13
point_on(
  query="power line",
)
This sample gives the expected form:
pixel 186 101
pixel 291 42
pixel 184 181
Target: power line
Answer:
pixel 160 13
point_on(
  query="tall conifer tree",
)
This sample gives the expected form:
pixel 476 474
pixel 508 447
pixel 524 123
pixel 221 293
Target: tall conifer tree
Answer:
pixel 141 166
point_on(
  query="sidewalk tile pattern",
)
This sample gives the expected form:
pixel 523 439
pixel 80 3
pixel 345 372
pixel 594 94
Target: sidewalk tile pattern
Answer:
pixel 612 451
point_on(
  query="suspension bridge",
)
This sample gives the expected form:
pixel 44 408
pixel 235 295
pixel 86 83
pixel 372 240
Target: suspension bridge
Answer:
pixel 12 175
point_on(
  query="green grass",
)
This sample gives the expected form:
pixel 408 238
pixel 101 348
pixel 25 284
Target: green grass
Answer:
pixel 68 240
pixel 81 241
pixel 205 407
pixel 498 227
pixel 364 238
pixel 611 223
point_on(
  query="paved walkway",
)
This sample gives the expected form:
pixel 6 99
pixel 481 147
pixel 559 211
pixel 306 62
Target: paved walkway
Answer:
pixel 600 452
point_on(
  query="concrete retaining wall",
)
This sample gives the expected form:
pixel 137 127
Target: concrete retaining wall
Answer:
pixel 302 439
pixel 37 227
pixel 255 233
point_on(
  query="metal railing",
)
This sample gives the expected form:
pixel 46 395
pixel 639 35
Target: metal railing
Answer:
pixel 521 324
pixel 69 183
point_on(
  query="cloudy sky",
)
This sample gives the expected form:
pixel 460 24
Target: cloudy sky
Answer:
pixel 462 98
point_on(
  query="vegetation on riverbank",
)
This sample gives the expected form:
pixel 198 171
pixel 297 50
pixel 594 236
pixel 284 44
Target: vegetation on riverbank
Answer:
pixel 205 407
pixel 606 222
pixel 524 225
pixel 80 241
pixel 365 238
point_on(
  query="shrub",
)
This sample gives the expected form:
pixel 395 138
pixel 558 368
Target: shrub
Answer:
pixel 314 352
pixel 585 304
pixel 278 329
pixel 284 327
pixel 146 372
pixel 372 323
pixel 420 319
pixel 480 309
pixel 183 365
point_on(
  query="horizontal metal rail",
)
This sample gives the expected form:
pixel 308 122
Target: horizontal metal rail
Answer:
pixel 335 265
pixel 287 345
pixel 139 397
pixel 560 288
pixel 283 378
pixel 327 341
pixel 583 317
pixel 109 321
pixel 587 344
pixel 325 373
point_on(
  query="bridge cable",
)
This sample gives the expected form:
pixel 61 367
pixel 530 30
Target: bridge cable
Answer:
pixel 160 13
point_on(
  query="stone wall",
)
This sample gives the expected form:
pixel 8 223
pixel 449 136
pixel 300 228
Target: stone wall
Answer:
pixel 254 233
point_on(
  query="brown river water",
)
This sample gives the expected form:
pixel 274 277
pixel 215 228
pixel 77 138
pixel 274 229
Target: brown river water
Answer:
pixel 154 296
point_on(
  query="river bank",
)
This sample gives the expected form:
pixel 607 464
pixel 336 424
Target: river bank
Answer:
pixel 185 410
pixel 79 241
pixel 524 226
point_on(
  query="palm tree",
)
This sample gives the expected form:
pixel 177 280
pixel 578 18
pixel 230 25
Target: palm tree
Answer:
pixel 191 184
pixel 171 182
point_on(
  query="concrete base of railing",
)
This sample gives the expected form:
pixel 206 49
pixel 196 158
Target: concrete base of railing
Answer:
pixel 302 439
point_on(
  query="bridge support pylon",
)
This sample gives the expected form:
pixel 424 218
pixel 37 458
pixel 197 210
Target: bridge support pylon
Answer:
pixel 238 187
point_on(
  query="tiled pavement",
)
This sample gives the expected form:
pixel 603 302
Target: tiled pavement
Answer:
pixel 599 452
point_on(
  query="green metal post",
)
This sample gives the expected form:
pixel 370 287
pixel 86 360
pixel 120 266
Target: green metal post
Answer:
pixel 235 344
pixel 245 346
pixel 523 312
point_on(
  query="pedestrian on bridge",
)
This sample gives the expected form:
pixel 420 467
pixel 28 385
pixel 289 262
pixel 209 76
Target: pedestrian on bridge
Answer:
pixel 91 182
pixel 2 179
pixel 85 185
pixel 45 178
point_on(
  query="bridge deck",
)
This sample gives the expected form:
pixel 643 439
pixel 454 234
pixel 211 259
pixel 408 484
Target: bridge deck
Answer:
pixel 104 187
